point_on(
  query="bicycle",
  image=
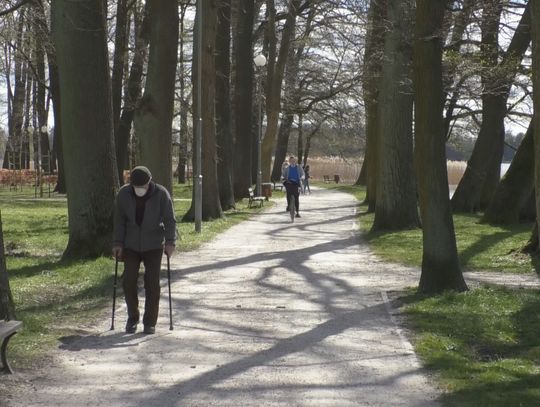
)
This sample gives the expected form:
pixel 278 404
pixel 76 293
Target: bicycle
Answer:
pixel 291 187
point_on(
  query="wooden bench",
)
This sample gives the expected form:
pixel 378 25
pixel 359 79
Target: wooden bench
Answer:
pixel 7 330
pixel 253 199
pixel 326 179
pixel 280 186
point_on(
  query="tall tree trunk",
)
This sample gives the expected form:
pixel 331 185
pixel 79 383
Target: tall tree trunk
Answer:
pixel 290 102
pixel 40 38
pixel 56 153
pixel 514 191
pixel 282 144
pixel 224 136
pixel 153 117
pixel 396 206
pixel 119 57
pixel 276 69
pixel 362 176
pixel 440 265
pixel 481 177
pixel 211 207
pixel 14 160
pixel 58 145
pixel 7 307
pixel 535 17
pixel 460 24
pixel 307 149
pixel 28 131
pixel 132 92
pixel 243 97
pixel 80 36
pixel 373 58
pixel 184 103
pixel 8 152
pixel 300 142
pixel 183 145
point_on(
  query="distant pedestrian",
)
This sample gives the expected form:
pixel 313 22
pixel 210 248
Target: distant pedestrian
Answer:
pixel 306 179
pixel 144 228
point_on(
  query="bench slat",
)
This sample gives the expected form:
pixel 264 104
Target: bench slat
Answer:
pixel 7 330
pixel 8 327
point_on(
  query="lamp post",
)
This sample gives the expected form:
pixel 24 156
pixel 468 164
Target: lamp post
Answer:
pixel 198 124
pixel 259 61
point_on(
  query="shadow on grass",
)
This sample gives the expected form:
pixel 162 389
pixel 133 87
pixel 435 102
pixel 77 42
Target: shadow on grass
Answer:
pixel 521 391
pixel 62 292
pixel 46 268
pixel 65 300
pixel 490 359
pixel 482 245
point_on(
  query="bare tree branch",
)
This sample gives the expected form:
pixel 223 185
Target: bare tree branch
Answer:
pixel 14 8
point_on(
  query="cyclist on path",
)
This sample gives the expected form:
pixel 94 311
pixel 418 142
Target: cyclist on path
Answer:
pixel 293 176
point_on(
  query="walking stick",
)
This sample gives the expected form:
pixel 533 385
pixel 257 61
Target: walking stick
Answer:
pixel 114 292
pixel 170 301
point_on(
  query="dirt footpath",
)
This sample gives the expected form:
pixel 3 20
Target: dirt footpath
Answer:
pixel 268 314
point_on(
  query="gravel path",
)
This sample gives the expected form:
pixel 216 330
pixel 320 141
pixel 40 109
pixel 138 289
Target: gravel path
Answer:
pixel 268 314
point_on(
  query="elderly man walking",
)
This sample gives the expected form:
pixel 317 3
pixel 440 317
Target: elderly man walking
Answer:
pixel 144 228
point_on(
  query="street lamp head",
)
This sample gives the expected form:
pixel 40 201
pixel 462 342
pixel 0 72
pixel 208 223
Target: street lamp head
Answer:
pixel 260 60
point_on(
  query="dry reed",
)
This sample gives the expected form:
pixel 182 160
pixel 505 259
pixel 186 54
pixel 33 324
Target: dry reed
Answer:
pixel 455 171
pixel 347 169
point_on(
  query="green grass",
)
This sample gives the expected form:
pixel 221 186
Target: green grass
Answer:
pixel 480 246
pixel 483 344
pixel 57 298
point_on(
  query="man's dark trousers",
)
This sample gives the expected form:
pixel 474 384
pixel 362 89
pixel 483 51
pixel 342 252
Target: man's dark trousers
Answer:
pixel 152 266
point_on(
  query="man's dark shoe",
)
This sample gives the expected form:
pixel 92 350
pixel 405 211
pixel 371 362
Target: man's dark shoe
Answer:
pixel 149 329
pixel 298 215
pixel 131 327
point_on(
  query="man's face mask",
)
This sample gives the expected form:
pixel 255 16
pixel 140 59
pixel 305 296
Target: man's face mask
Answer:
pixel 140 191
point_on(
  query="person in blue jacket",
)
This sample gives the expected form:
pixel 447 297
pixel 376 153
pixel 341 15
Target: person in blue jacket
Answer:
pixel 292 179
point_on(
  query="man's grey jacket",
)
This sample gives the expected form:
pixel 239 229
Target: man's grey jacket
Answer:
pixel 157 227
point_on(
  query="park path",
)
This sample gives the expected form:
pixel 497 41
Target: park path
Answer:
pixel 267 314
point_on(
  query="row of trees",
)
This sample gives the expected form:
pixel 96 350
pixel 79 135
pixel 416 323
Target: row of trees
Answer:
pixel 114 111
pixel 426 62
pixel 421 60
pixel 130 106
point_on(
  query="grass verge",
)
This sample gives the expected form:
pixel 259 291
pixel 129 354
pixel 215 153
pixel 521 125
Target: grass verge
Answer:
pixel 483 344
pixel 480 246
pixel 57 298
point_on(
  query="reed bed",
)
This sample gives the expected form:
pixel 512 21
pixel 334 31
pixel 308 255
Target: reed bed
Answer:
pixel 455 171
pixel 347 169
